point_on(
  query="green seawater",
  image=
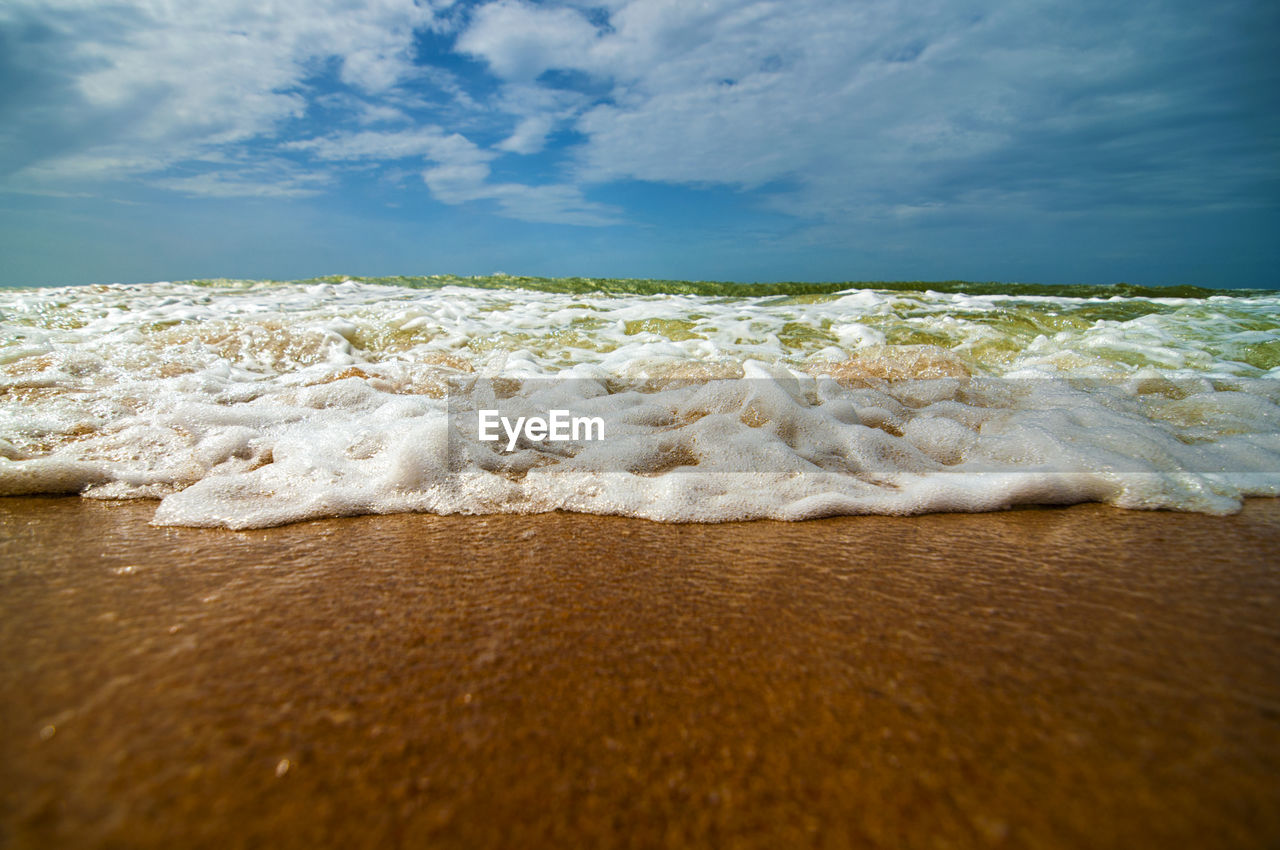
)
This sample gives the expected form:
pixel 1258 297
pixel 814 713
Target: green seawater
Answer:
pixel 1178 326
pixel 802 292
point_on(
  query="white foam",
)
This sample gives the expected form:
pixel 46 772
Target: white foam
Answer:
pixel 257 405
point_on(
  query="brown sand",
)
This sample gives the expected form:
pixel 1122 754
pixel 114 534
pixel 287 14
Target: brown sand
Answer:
pixel 1084 677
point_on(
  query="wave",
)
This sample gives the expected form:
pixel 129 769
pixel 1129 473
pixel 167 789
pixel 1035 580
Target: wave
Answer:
pixel 730 289
pixel 253 403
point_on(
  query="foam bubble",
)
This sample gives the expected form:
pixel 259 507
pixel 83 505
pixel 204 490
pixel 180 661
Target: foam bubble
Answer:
pixel 248 405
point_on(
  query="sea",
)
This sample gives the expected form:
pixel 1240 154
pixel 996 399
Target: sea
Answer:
pixel 248 404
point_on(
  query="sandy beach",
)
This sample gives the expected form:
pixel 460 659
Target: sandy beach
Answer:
pixel 1080 677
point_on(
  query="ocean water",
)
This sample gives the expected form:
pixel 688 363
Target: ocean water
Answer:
pixel 247 404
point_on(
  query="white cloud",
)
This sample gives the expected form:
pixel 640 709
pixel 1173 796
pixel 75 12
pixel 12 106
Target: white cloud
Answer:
pixel 375 113
pixel 164 82
pixel 529 136
pixel 748 93
pixel 825 109
pixel 520 41
pixel 848 110
pixel 249 184
pixel 172 89
pixel 429 142
pixel 735 92
pixel 537 111
pixel 555 203
pixel 460 173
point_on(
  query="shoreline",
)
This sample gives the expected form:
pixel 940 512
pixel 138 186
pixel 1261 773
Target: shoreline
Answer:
pixel 1058 677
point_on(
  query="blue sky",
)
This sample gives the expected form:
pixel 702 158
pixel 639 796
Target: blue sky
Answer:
pixel 1037 140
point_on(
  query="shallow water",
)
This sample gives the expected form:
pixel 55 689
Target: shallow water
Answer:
pixel 247 404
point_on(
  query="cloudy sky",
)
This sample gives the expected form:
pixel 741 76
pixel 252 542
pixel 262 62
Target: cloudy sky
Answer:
pixel 1029 140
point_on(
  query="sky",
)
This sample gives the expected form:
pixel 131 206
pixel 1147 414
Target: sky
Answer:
pixel 1051 141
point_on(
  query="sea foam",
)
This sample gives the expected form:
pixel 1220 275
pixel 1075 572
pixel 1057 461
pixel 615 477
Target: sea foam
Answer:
pixel 247 404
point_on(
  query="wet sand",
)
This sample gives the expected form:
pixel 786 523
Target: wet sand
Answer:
pixel 1081 677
